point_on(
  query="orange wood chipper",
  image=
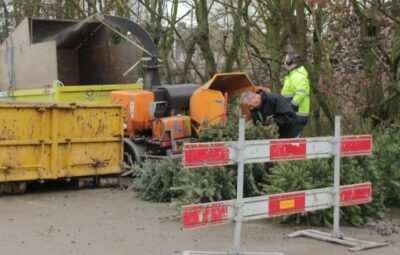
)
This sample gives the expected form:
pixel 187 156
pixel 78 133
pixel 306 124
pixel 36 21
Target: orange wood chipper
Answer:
pixel 159 121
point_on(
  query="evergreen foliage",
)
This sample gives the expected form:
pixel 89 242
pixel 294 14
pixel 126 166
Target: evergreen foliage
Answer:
pixel 168 181
pixel 154 180
pixel 387 164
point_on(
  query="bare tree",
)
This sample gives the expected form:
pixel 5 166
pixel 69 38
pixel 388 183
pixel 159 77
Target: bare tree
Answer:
pixel 5 22
pixel 203 36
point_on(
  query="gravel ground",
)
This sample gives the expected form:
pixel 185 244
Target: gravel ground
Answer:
pixel 114 221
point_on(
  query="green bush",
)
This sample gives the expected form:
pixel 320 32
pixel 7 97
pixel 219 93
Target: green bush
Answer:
pixel 387 161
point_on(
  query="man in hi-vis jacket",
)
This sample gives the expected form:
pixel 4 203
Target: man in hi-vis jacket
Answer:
pixel 296 89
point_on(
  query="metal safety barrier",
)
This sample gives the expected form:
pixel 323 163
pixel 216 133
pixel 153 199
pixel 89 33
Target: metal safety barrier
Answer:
pixel 243 209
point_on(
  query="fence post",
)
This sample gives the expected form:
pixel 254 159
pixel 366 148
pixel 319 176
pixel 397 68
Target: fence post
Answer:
pixel 239 188
pixel 336 180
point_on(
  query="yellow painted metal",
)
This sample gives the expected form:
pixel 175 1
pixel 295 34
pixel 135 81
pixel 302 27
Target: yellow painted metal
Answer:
pixel 207 107
pixel 97 94
pixel 208 103
pixel 231 83
pixel 50 141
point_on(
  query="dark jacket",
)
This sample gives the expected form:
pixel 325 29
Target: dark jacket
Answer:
pixel 275 106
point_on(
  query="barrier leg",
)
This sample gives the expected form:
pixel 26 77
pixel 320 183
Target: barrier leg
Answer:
pixel 355 244
pixel 335 236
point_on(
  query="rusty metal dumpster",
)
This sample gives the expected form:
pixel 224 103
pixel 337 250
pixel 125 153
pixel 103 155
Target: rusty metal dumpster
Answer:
pixel 45 141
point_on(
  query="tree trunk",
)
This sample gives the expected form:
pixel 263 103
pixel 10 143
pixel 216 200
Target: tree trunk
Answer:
pixel 375 91
pixel 394 65
pixel 233 52
pixel 296 24
pixel 167 41
pixel 4 34
pixel 275 41
pixel 203 36
pixel 319 102
pixel 189 51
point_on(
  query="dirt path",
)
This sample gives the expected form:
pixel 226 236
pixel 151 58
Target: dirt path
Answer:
pixel 113 221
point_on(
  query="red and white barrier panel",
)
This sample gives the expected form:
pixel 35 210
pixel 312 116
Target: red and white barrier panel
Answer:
pixel 201 215
pixel 226 153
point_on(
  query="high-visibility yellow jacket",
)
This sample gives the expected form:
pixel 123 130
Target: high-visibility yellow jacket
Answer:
pixel 296 89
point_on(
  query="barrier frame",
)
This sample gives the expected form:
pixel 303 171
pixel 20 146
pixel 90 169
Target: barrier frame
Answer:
pixel 335 236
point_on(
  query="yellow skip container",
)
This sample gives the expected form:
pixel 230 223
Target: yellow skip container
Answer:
pixel 49 141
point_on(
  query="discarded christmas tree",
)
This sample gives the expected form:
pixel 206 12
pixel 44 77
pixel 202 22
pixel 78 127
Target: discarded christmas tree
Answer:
pixel 167 180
